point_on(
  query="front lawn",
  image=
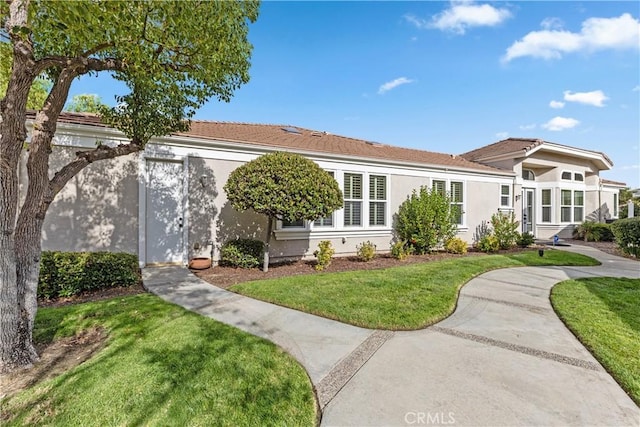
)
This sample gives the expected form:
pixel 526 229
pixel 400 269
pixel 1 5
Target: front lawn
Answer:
pixel 399 298
pixel 604 313
pixel 163 365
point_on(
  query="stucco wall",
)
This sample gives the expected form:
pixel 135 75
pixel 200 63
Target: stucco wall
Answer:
pixel 97 209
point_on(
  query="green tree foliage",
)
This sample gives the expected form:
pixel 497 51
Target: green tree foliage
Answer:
pixel 625 195
pixel 283 186
pixel 627 234
pixel 86 103
pixel 426 220
pixel 172 56
pixel 39 89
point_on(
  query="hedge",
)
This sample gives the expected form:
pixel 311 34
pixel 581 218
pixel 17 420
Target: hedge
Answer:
pixel 627 233
pixel 243 253
pixel 63 274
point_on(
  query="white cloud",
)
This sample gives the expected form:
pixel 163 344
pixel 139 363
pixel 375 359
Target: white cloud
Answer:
pixel 636 89
pixel 462 15
pixel 629 167
pixel 556 104
pixel 560 123
pixel 595 97
pixel 393 84
pixel 528 127
pixel 622 32
pixel 552 24
pixel 502 135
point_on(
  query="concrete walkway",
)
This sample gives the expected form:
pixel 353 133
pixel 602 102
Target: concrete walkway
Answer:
pixel 503 357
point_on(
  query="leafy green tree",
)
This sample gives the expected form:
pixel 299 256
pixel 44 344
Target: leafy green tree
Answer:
pixel 86 103
pixel 426 220
pixel 39 89
pixel 283 186
pixel 171 55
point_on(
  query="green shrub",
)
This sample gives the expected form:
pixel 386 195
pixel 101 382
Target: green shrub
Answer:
pixel 426 220
pixel 243 253
pixel 324 253
pixel 64 274
pixel 366 251
pixel 456 246
pixel 505 229
pixel 627 235
pixel 401 250
pixel 591 231
pixel 489 244
pixel 525 240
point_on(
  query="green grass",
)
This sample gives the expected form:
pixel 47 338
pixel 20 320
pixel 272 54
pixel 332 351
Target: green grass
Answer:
pixel 163 365
pixel 399 298
pixel 604 313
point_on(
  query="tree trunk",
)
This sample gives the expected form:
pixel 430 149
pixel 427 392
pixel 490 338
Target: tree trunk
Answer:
pixel 265 262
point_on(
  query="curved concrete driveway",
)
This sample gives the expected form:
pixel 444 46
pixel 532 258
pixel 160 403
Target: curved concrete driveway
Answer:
pixel 503 357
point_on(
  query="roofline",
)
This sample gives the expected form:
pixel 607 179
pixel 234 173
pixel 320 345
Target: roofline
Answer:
pixel 231 144
pixel 549 146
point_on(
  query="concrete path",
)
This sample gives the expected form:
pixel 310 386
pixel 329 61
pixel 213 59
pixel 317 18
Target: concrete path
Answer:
pixel 503 357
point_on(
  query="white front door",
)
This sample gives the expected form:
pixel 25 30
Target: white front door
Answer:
pixel 164 212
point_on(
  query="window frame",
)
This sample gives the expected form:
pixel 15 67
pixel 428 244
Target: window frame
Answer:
pixel 577 206
pixel 461 203
pixel 525 176
pixel 353 201
pixel 509 203
pixel 547 206
pixel 374 201
pixel 564 207
pixel 616 207
pixel 562 174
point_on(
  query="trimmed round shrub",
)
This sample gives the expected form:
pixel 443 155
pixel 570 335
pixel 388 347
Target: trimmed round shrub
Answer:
pixel 243 253
pixel 489 244
pixel 627 235
pixel 366 251
pixel 456 246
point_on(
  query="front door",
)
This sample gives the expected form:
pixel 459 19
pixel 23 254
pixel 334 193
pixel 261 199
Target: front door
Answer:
pixel 164 212
pixel 528 210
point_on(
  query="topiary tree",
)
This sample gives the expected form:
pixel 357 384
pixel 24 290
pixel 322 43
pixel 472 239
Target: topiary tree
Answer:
pixel 283 186
pixel 426 219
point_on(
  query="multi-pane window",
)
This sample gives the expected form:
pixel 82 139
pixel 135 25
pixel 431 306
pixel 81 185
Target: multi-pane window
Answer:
pixel 457 201
pixel 565 206
pixel 439 187
pixel 327 221
pixel 352 200
pixel 578 206
pixel 505 196
pixel 615 205
pixel 546 205
pixel 377 200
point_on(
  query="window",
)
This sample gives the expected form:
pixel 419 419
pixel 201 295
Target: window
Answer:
pixel 505 196
pixel 293 224
pixel 578 177
pixel 565 206
pixel 528 175
pixel 352 200
pixel 326 221
pixel 457 201
pixel 578 206
pixel 546 205
pixel 615 205
pixel 566 176
pixel 377 200
pixel 439 186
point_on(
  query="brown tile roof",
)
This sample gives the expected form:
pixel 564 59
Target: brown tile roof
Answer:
pixel 515 146
pixel 307 140
pixel 321 142
pixel 608 181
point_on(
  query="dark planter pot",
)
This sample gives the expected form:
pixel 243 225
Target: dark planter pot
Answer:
pixel 200 263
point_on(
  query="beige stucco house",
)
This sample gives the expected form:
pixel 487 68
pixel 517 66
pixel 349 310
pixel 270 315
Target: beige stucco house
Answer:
pixel 167 204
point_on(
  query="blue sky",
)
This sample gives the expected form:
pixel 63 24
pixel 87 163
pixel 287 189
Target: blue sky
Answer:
pixel 445 76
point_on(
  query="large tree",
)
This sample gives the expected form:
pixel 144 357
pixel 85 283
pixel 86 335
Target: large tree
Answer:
pixel 283 186
pixel 172 56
